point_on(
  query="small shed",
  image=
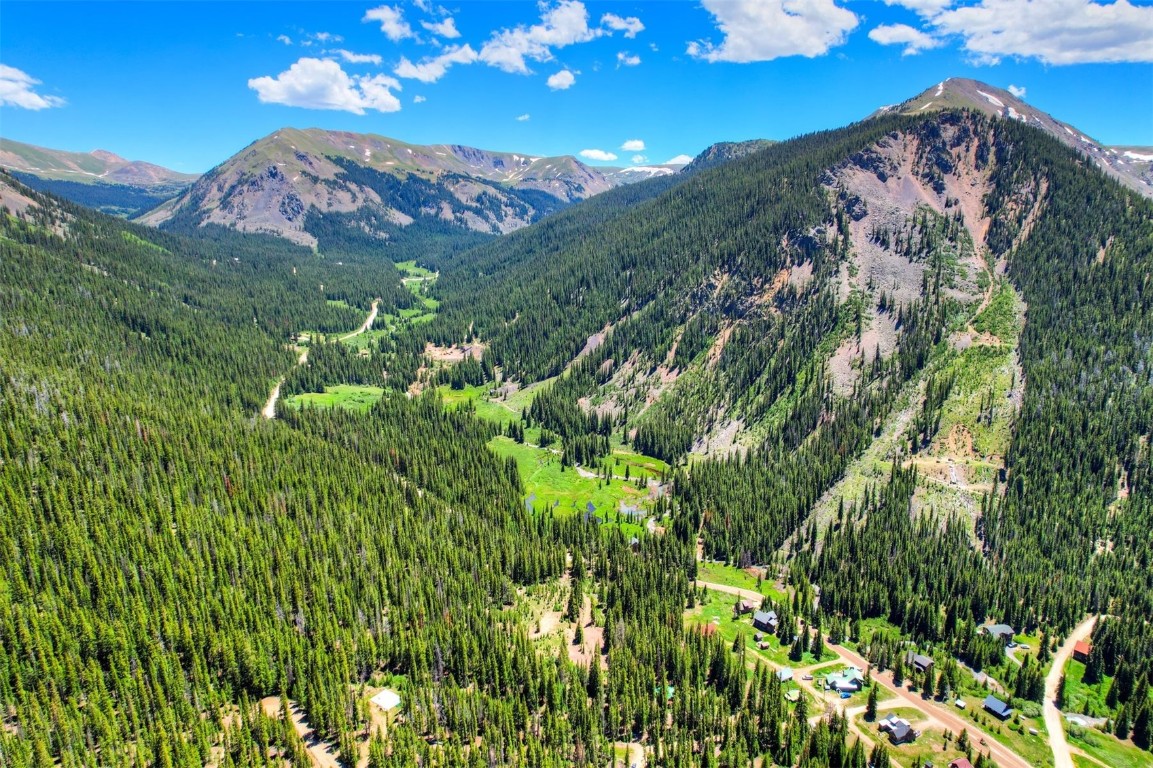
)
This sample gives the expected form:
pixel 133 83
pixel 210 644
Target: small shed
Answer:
pixel 1081 651
pixel 785 674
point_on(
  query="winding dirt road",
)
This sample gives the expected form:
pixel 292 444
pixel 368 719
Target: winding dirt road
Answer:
pixel 368 321
pixel 269 409
pixel 1054 721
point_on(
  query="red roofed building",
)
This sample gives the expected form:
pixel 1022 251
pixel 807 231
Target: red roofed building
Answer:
pixel 961 762
pixel 708 630
pixel 1082 650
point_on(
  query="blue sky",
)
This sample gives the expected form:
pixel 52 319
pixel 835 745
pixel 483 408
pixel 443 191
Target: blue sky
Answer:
pixel 186 85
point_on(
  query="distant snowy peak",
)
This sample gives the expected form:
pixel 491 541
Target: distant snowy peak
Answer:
pixel 637 173
pixel 1129 165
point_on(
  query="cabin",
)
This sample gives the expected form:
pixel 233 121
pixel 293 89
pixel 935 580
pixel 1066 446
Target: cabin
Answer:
pixel 1002 632
pixel 766 621
pixel 903 734
pixel 846 681
pixel 785 674
pixel 746 606
pixel 961 762
pixel 1081 651
pixel 899 730
pixel 997 708
pixel 918 662
pixel 708 630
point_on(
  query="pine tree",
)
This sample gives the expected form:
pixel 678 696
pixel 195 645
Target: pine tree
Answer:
pixel 871 705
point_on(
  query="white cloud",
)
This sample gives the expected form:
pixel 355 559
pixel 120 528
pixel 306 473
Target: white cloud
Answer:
pixel 418 99
pixel 445 28
pixel 1053 31
pixel 914 40
pixel 433 68
pixel 284 39
pixel 565 24
pixel 630 26
pixel 322 84
pixel 522 118
pixel 358 58
pixel 1017 90
pixel 561 81
pixel 679 160
pixel 633 145
pixel 328 37
pixel 625 59
pixel 391 20
pixel 923 7
pixel 16 91
pixel 639 159
pixel 597 154
pixel 762 30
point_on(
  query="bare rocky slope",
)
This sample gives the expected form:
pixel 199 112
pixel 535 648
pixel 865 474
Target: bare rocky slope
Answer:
pixel 1132 166
pixel 279 184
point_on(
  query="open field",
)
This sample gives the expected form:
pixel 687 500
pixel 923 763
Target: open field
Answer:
pixel 549 486
pixel 351 396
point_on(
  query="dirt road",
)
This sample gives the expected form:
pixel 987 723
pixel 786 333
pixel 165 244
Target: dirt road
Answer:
pixel 1054 721
pixel 368 321
pixel 745 593
pixel 269 409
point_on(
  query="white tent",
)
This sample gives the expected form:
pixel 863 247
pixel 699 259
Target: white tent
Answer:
pixel 387 700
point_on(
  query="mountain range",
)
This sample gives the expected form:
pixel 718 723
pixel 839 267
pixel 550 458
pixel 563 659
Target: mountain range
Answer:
pixel 354 189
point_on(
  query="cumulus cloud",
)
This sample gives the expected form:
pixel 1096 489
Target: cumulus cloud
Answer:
pixel 639 159
pixel 418 99
pixel 431 69
pixel 322 84
pixel 391 20
pixel 358 58
pixel 16 90
pixel 679 160
pixel 597 154
pixel 445 28
pixel 923 7
pixel 562 80
pixel 630 25
pixel 327 37
pixel 762 30
pixel 523 118
pixel 565 24
pixel 1017 90
pixel 914 40
pixel 1052 31
pixel 625 59
pixel 284 39
pixel 633 145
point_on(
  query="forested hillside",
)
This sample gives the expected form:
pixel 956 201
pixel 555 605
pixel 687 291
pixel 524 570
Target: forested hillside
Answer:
pixel 890 382
pixel 178 574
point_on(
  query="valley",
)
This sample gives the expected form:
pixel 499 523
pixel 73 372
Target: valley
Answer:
pixel 825 452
